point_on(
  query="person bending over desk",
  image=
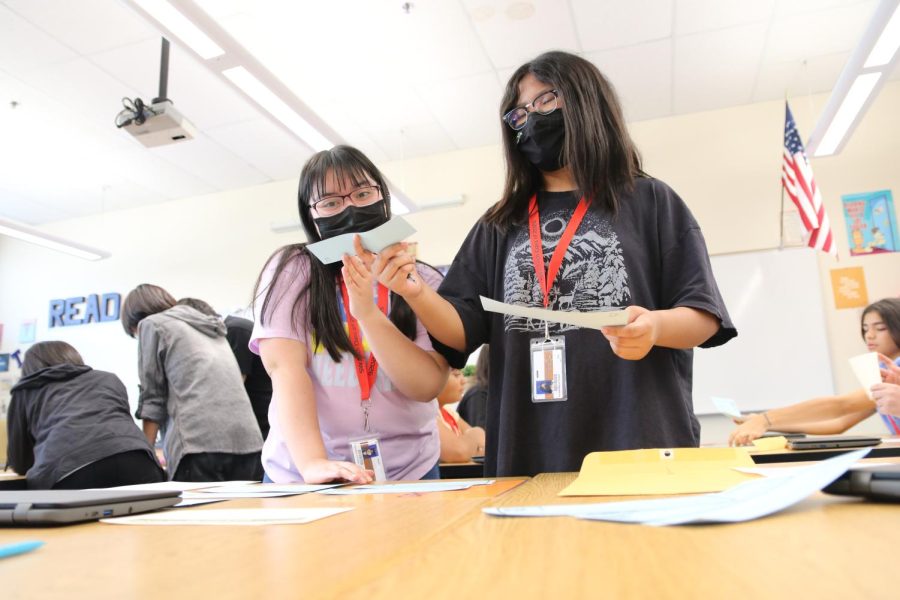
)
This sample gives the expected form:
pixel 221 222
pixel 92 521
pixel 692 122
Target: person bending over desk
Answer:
pixel 69 426
pixel 880 328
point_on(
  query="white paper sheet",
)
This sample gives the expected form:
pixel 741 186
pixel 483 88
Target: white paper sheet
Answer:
pixel 185 503
pixel 726 406
pixel 407 488
pixel 225 516
pixel 784 471
pixel 181 486
pixel 333 249
pixel 865 367
pixel 750 500
pixel 589 320
pixel 203 494
pixel 264 488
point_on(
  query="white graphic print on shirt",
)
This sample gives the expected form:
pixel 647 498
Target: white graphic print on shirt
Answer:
pixel 592 275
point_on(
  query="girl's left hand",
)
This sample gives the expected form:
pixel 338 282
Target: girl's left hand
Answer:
pixel 891 372
pixel 887 398
pixel 359 281
pixel 634 340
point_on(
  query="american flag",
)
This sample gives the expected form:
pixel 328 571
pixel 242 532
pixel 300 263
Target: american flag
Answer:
pixel 798 182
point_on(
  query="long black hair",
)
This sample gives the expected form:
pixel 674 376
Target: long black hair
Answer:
pixel 344 162
pixel 598 149
pixel 889 311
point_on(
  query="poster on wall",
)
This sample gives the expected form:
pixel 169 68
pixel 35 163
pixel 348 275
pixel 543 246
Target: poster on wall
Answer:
pixel 871 223
pixel 27 331
pixel 849 288
pixel 4 363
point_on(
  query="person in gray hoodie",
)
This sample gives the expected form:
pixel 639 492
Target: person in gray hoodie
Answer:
pixel 69 426
pixel 191 387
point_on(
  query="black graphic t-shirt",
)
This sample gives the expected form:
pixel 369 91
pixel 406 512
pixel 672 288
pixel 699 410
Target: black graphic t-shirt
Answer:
pixel 652 254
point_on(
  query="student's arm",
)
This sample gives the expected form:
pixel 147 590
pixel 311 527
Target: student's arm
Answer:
pixel 823 416
pixel 285 361
pixel 418 374
pixel 154 388
pixel 20 444
pixel 679 327
pixel 460 448
pixel 151 430
pixel 396 269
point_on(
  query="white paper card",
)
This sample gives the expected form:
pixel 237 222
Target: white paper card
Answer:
pixel 333 249
pixel 407 488
pixel 232 516
pixel 726 406
pixel 744 502
pixel 268 488
pixel 589 320
pixel 865 367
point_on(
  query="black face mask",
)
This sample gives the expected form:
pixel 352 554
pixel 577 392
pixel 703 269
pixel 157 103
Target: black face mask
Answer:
pixel 541 140
pixel 353 219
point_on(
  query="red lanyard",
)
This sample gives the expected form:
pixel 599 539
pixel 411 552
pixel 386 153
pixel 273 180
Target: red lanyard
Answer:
pixel 547 277
pixel 366 371
pixel 450 421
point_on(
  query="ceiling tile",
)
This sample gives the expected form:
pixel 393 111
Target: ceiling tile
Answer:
pixel 716 69
pixel 603 24
pixel 27 210
pixel 513 33
pixel 642 76
pixel 795 37
pixel 416 140
pixel 799 77
pixel 264 145
pixel 692 16
pixel 84 26
pixel 23 47
pixel 467 108
pixel 212 163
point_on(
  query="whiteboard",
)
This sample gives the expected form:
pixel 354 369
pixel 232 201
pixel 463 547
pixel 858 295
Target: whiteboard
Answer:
pixel 780 355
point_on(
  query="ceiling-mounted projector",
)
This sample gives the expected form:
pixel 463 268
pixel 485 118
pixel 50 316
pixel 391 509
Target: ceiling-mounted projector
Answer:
pixel 155 124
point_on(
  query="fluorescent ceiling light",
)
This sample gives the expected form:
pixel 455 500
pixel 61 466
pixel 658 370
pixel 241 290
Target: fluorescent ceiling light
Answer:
pixel 35 236
pixel 847 113
pixel 181 27
pixel 887 44
pixel 277 107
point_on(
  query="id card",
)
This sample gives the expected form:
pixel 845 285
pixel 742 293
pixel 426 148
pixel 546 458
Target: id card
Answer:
pixel 367 454
pixel 548 369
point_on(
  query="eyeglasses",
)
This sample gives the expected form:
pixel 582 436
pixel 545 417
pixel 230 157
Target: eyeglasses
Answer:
pixel 544 104
pixel 328 206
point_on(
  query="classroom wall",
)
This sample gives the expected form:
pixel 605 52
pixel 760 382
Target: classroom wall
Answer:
pixel 725 164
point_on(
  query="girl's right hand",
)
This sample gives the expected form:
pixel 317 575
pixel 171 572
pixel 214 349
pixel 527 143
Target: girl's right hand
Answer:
pixel 751 429
pixel 395 268
pixel 891 372
pixel 323 470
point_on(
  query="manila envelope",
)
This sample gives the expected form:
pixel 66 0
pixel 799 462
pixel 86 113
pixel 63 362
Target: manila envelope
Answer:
pixel 660 471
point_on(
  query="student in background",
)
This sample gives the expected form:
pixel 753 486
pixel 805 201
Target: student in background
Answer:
pixel 576 200
pixel 473 406
pixel 190 386
pixel 880 328
pixel 332 389
pixel 256 381
pixel 69 425
pixel 459 440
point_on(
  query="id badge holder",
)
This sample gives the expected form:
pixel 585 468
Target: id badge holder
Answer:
pixel 548 369
pixel 366 452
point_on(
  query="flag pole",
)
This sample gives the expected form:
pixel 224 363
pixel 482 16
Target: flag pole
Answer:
pixel 781 220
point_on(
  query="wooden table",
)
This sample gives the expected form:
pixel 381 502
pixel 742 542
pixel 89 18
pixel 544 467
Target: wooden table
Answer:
pixel 436 546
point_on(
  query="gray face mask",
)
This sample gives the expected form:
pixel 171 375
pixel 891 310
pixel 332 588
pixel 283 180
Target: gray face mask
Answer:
pixel 353 219
pixel 542 140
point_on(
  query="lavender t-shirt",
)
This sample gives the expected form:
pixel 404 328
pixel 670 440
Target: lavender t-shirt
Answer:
pixel 407 429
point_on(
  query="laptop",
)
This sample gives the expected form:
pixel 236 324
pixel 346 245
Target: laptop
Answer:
pixel 829 442
pixel 877 483
pixel 57 507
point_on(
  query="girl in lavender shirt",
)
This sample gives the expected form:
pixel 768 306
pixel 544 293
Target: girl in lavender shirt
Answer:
pixel 304 337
